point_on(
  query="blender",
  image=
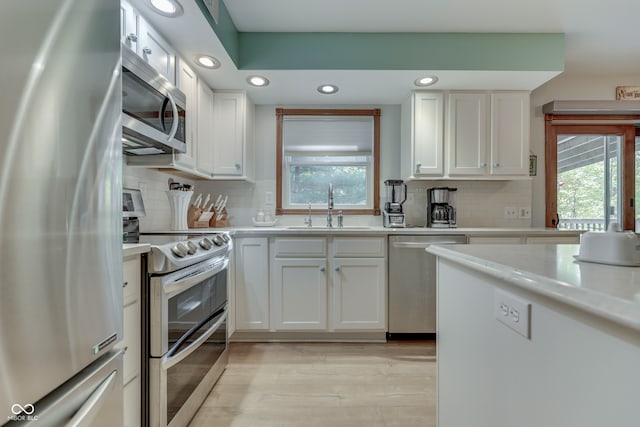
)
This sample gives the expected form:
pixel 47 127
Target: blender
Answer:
pixel 396 192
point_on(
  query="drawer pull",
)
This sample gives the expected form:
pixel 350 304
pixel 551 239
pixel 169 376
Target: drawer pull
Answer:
pixel 125 284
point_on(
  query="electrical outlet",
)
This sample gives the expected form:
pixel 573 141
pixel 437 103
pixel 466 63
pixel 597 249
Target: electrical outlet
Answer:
pixel 513 312
pixel 268 198
pixel 410 198
pixel 524 212
pixel 510 212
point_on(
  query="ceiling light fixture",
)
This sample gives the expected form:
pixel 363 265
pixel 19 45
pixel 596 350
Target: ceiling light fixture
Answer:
pixel 327 89
pixel 425 81
pixel 207 61
pixel 258 81
pixel 169 8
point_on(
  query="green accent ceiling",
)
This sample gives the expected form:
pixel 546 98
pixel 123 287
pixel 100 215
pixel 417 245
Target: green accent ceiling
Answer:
pixel 387 51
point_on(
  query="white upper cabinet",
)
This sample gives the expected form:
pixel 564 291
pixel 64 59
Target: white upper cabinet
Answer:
pixel 154 49
pixel 467 133
pixel 187 82
pixel 204 159
pixel 232 135
pixel 488 134
pixel 422 135
pixel 128 26
pixel 510 134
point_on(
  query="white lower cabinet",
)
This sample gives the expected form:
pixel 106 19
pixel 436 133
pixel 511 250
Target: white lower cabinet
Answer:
pixel 299 294
pixel 251 283
pixel 131 341
pixel 359 293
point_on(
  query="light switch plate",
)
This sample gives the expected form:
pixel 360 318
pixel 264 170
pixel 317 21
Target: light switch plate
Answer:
pixel 512 311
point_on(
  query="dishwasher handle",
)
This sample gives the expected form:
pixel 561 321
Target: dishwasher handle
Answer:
pixel 422 245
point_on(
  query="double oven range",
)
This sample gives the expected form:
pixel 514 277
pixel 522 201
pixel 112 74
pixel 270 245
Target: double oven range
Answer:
pixel 184 319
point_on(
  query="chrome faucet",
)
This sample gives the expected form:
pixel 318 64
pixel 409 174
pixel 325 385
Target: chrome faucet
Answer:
pixel 308 221
pixel 330 207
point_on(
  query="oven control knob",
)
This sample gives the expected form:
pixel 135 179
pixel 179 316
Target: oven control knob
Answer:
pixel 206 244
pixel 191 247
pixel 180 250
pixel 219 241
pixel 225 237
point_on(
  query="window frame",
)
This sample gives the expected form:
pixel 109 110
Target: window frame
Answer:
pixel 558 124
pixel 374 113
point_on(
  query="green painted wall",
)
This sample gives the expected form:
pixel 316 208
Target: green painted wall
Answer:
pixel 402 51
pixel 387 51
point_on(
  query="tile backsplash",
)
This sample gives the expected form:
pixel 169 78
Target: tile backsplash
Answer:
pixel 479 203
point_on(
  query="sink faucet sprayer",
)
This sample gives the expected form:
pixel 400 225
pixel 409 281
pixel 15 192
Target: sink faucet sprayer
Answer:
pixel 330 207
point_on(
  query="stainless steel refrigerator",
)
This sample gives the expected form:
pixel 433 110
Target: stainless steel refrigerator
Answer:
pixel 60 213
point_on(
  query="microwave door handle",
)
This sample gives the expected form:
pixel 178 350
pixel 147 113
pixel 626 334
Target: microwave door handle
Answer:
pixel 176 119
pixel 162 112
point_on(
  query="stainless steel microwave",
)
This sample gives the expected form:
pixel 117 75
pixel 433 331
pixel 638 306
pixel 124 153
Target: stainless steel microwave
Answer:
pixel 153 109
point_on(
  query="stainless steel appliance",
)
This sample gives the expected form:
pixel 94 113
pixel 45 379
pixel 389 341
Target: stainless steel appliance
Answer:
pixel 441 209
pixel 187 309
pixel 153 109
pixel 412 284
pixel 396 194
pixel 132 210
pixel 60 220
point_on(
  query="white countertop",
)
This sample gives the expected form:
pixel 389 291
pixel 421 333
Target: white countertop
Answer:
pixel 129 249
pixel 607 291
pixel 379 230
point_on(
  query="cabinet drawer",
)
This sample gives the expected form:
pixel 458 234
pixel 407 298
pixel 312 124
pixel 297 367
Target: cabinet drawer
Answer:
pixel 552 239
pixel 131 341
pixel 131 278
pixel 365 247
pixel 299 247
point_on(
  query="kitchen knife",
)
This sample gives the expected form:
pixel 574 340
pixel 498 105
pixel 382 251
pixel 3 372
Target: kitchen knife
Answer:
pixel 217 204
pixel 206 200
pixel 196 204
pixel 224 202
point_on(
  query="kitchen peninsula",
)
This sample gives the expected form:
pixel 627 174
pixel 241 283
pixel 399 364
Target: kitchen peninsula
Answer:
pixel 528 336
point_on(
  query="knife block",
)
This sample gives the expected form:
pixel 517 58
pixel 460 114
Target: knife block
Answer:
pixel 219 219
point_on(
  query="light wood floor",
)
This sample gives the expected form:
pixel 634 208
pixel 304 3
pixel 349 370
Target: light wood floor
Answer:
pixel 324 385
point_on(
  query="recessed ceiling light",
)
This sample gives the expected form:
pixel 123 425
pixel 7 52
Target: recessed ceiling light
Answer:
pixel 207 61
pixel 258 81
pixel 170 8
pixel 327 89
pixel 426 81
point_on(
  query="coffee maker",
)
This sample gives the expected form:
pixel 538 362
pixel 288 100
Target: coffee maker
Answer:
pixel 441 211
pixel 396 191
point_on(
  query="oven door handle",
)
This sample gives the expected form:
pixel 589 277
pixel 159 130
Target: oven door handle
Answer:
pixel 176 286
pixel 172 359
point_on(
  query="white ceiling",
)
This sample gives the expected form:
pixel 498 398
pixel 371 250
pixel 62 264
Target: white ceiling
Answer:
pixel 602 38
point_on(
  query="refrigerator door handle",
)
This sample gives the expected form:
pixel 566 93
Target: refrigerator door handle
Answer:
pixel 84 417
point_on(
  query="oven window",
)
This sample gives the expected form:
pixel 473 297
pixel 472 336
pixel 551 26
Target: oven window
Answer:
pixel 190 308
pixel 184 377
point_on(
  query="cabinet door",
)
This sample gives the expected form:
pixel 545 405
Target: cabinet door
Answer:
pixel 205 155
pixel 132 405
pixel 427 133
pixel 251 283
pixel 156 51
pixel 187 82
pixel 467 134
pixel 299 294
pixel 228 133
pixel 128 26
pixel 358 293
pixel 510 134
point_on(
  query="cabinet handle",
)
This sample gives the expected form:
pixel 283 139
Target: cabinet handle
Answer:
pixel 483 165
pixel 237 166
pixel 132 38
pixel 337 268
pixel 125 284
pixel 322 269
pixel 418 166
pixel 147 51
pixel 496 165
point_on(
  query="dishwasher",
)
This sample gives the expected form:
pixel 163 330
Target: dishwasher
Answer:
pixel 412 285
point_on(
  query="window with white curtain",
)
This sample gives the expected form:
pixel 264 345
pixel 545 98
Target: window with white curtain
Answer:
pixel 318 150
